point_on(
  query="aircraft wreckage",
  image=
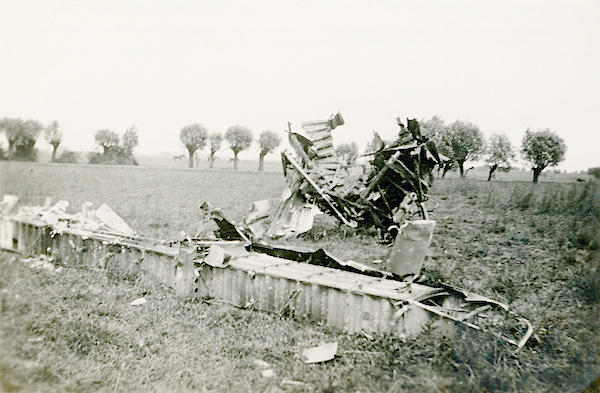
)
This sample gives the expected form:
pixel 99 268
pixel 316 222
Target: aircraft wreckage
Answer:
pixel 241 268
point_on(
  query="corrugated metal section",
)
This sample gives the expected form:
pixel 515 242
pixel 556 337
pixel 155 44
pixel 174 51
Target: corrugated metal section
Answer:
pixel 340 299
pixel 344 300
pixel 319 132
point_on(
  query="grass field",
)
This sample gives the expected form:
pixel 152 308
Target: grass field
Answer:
pixel 532 246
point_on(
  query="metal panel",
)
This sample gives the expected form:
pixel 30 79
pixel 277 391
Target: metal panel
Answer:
pixel 339 299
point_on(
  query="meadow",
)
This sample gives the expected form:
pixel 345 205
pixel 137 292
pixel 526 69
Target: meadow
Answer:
pixel 533 246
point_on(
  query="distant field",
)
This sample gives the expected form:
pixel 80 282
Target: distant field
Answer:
pixel 534 246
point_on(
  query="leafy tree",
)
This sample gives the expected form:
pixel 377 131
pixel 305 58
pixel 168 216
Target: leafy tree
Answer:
pixel 466 143
pixel 53 136
pixel 439 133
pixel 542 149
pixel 107 139
pixel 268 142
pixel 215 144
pixel 130 140
pixel 594 172
pixel 347 152
pixel 10 128
pixel 499 154
pixel 21 136
pixel 239 138
pixel 193 138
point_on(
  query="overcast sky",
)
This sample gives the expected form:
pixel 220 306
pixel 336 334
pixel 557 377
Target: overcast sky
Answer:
pixel 504 65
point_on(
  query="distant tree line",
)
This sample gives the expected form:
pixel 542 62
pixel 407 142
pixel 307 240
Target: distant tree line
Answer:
pixel 459 142
pixel 463 141
pixel 194 138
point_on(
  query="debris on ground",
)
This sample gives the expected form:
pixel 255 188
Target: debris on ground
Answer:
pixel 138 302
pixel 42 262
pixel 320 354
pixel 103 219
pixel 391 192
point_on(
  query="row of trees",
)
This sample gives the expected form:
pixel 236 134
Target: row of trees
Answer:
pixel 22 136
pixel 195 137
pixel 462 141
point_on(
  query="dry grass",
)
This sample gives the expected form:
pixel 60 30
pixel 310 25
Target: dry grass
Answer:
pixel 533 246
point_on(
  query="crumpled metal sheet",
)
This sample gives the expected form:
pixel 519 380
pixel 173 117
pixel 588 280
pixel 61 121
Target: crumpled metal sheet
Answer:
pixel 394 189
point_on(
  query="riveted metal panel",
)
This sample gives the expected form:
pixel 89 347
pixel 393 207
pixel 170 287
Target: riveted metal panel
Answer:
pixel 339 299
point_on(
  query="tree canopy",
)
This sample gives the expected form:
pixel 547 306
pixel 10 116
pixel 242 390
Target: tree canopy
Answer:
pixel 107 139
pixel 194 138
pixel 22 136
pixel 466 142
pixel 215 145
pixel 130 140
pixel 347 152
pixel 499 154
pixel 268 142
pixel 542 149
pixel 53 136
pixel 438 132
pixel 239 139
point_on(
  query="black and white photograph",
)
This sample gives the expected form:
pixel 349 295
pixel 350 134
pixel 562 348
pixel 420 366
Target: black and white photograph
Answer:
pixel 318 196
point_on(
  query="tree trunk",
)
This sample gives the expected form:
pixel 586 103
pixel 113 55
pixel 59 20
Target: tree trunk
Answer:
pixel 235 160
pixel 261 161
pixel 191 158
pixel 211 159
pixel 492 169
pixel 54 153
pixel 447 167
pixel 461 168
pixel 536 173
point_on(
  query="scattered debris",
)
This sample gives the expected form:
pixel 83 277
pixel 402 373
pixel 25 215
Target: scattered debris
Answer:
pixel 112 220
pixel 139 301
pixel 322 353
pixel 44 262
pixel 261 363
pixel 244 271
pixel 8 204
pixel 289 382
pixel 268 373
pixel 410 247
pixel 103 219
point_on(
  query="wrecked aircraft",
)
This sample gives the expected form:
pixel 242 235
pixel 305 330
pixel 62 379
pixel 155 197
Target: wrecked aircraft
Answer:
pixel 393 191
pixel 241 268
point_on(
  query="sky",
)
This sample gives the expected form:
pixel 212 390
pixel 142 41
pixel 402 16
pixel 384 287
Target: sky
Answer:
pixel 505 66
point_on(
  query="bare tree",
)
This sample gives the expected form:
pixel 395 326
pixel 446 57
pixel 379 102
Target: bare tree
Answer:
pixel 268 142
pixel 193 138
pixel 239 138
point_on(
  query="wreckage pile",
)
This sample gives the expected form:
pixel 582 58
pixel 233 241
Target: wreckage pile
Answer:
pixel 393 191
pixel 240 266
